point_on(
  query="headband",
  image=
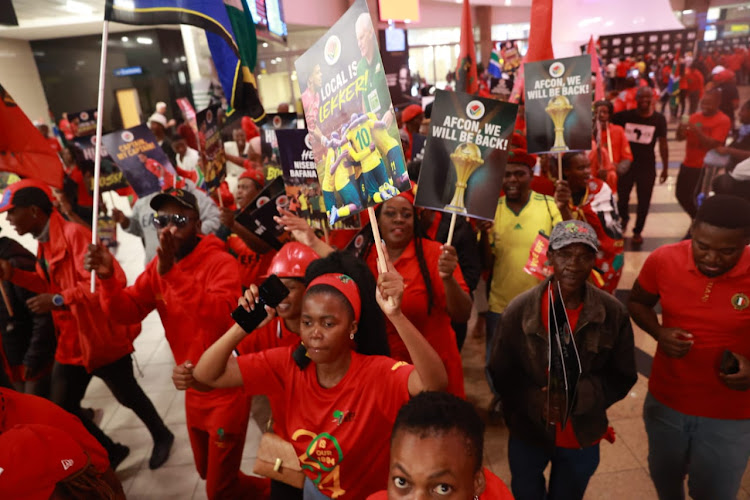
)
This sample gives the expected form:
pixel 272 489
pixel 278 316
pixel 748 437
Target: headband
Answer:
pixel 343 284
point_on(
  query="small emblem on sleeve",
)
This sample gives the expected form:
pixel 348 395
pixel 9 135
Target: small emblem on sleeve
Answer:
pixel 398 365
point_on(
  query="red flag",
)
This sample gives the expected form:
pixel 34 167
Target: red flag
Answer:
pixel 540 33
pixel 596 69
pixel 23 150
pixel 466 71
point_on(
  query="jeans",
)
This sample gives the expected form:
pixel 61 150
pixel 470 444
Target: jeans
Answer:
pixel 491 320
pixel 69 383
pixel 686 189
pixel 569 476
pixel 644 179
pixel 712 452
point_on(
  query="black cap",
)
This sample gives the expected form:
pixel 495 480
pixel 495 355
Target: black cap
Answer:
pixel 179 196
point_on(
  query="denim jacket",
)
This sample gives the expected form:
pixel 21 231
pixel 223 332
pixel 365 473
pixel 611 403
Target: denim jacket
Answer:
pixel 518 365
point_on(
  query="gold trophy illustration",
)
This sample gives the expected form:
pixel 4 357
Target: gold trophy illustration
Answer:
pixel 558 109
pixel 466 159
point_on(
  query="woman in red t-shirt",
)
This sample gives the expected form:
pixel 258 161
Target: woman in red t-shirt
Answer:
pixel 435 294
pixel 437 447
pixel 333 396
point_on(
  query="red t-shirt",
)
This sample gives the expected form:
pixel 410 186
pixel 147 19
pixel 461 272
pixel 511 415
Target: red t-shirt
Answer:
pixel 85 198
pixel 716 126
pixel 564 438
pixel 54 144
pixel 715 312
pixel 435 325
pixel 341 434
pixel 495 489
pixel 543 185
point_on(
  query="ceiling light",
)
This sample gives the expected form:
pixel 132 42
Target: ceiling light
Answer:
pixel 507 3
pixel 78 8
pixel 183 58
pixel 124 39
pixel 144 40
pixel 407 21
pixel 165 60
pixel 687 12
pixel 265 45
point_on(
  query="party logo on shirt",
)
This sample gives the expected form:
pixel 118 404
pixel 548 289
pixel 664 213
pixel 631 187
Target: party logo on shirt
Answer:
pixel 340 416
pixel 740 301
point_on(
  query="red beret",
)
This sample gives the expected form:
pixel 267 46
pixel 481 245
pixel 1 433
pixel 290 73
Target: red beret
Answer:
pixel 410 112
pixel 518 152
pixel 254 174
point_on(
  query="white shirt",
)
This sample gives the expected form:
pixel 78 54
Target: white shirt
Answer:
pixel 189 162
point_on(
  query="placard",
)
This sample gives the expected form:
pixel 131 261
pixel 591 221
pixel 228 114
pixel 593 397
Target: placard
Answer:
pixel 269 142
pixel 558 104
pixel 137 154
pixel 83 122
pixel 258 215
pixel 213 161
pixel 110 177
pixel 351 116
pixel 465 154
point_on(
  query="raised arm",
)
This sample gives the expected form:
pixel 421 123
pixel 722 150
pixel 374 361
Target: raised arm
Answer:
pixel 429 372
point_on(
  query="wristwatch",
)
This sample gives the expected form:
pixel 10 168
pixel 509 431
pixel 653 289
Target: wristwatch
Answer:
pixel 58 300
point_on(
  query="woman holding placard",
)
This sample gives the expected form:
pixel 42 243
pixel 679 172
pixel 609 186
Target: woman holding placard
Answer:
pixel 435 292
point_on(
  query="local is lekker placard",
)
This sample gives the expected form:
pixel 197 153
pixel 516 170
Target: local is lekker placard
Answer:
pixel 349 115
pixel 557 95
pixel 465 154
pixel 137 154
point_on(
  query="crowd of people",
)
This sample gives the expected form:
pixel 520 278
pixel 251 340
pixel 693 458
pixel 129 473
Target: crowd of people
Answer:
pixel 360 359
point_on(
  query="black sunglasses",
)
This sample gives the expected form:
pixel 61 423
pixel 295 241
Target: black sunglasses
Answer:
pixel 162 221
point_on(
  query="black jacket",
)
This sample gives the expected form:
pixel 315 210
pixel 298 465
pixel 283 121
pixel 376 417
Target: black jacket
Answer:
pixel 518 365
pixel 28 339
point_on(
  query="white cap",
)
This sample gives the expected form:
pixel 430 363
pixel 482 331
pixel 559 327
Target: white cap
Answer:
pixel 717 69
pixel 158 118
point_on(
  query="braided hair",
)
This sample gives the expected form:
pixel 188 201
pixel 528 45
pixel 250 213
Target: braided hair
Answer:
pixel 419 235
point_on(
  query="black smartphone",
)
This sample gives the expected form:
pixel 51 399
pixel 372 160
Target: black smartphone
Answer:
pixel 270 293
pixel 729 363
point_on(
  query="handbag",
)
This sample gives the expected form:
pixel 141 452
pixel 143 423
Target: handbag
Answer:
pixel 277 460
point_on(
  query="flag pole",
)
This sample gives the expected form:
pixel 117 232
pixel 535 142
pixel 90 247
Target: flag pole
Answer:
pixel 98 143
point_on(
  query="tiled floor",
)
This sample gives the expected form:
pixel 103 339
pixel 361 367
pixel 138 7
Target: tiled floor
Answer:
pixel 622 473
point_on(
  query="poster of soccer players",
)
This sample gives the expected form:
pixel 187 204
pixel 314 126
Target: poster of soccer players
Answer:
pixel 110 177
pixel 465 154
pixel 348 111
pixel 146 167
pixel 213 160
pixel 557 95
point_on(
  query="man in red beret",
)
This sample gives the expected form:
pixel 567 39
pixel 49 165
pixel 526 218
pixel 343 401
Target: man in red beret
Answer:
pixel 521 215
pixel 412 117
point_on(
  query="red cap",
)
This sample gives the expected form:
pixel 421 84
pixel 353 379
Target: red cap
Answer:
pixel 343 284
pixel 410 112
pixel 34 458
pixel 518 153
pixel 11 199
pixel 292 261
pixel 253 174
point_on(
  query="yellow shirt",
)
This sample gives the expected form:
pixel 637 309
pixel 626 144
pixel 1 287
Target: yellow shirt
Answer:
pixel 360 138
pixel 511 239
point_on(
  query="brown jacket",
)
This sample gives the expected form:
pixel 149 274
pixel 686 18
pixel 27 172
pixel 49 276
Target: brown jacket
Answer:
pixel 518 365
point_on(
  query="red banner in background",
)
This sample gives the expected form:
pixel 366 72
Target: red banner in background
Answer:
pixel 466 72
pixel 23 150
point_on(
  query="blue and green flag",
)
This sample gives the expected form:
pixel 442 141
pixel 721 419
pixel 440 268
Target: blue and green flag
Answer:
pixel 230 31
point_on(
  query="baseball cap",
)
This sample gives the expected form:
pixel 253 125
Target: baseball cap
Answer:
pixel 25 193
pixel 253 174
pixel 180 196
pixel 158 118
pixel 34 458
pixel 568 232
pixel 410 112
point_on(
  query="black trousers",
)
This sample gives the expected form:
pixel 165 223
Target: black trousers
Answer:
pixel 686 189
pixel 69 383
pixel 643 179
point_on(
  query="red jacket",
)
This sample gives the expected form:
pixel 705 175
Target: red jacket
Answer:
pixel 194 299
pixel 85 335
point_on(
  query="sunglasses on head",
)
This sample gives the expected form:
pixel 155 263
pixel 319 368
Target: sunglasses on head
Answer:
pixel 162 221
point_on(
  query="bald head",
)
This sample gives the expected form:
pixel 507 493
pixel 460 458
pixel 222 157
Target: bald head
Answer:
pixel 365 36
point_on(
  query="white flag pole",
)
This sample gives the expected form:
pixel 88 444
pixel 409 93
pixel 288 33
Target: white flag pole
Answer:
pixel 98 150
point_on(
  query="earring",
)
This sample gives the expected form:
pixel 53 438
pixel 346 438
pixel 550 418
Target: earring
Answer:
pixel 476 497
pixel 351 336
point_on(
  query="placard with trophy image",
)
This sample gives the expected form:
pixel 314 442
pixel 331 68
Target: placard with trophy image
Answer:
pixel 557 96
pixel 465 155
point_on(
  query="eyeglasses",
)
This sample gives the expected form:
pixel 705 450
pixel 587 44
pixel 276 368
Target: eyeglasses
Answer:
pixel 162 221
